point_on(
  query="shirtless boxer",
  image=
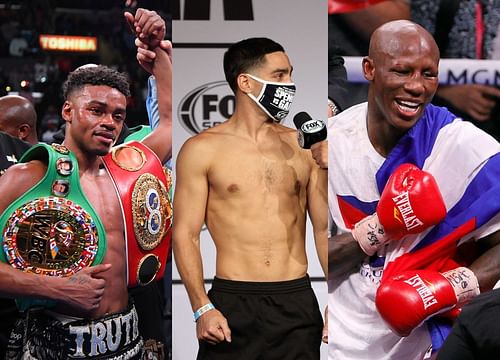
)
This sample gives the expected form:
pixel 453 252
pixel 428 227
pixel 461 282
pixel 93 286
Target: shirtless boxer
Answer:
pixel 251 183
pixel 90 300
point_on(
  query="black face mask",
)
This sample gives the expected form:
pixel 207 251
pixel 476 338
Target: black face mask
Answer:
pixel 275 98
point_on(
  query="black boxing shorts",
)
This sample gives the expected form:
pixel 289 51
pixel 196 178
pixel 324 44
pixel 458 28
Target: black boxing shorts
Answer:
pixel 41 336
pixel 268 321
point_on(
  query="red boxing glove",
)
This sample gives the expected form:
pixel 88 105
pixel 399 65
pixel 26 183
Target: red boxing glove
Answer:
pixel 410 203
pixel 407 300
pixel 343 6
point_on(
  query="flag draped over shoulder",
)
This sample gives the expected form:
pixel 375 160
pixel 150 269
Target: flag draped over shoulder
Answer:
pixel 466 164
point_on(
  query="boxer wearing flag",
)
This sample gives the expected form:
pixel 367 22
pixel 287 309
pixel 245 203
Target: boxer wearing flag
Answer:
pixel 408 183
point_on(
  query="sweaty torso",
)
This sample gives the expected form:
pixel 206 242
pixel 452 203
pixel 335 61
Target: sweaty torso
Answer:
pixel 256 209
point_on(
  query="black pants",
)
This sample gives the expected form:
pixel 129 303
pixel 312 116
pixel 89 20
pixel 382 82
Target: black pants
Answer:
pixel 39 335
pixel 268 321
pixel 149 302
pixel 8 316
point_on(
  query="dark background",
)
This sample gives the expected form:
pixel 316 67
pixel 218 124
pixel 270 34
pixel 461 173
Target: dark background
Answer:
pixel 44 72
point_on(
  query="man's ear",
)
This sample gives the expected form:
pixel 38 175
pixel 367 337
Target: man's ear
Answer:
pixel 66 111
pixel 368 68
pixel 23 131
pixel 243 83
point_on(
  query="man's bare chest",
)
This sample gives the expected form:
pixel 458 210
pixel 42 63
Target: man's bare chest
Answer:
pixel 102 195
pixel 254 172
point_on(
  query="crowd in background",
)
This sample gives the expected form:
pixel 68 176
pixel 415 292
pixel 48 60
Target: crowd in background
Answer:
pixel 37 74
pixel 464 29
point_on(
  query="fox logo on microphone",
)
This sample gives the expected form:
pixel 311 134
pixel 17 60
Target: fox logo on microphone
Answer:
pixel 312 126
pixel 309 131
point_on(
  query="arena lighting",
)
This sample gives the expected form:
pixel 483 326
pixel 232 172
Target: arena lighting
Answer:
pixel 36 95
pixel 24 83
pixel 10 6
pixel 68 43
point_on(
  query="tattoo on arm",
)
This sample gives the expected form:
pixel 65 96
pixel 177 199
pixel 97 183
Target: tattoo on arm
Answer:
pixel 77 279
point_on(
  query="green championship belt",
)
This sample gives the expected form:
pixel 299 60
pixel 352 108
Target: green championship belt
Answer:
pixel 138 133
pixel 52 229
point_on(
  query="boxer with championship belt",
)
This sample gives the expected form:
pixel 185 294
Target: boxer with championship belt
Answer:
pixel 52 229
pixel 92 318
pixel 146 209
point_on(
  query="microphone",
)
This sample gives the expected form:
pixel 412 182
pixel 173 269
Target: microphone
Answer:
pixel 309 131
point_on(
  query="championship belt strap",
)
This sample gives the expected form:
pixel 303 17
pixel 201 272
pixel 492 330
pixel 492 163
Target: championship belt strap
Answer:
pixel 137 133
pixel 142 186
pixel 52 229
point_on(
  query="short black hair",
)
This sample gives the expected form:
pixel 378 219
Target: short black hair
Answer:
pixel 245 55
pixel 96 75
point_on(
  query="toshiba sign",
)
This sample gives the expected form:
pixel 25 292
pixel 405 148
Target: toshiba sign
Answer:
pixel 68 43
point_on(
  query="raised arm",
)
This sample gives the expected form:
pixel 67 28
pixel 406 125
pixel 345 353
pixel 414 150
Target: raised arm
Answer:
pixel 190 199
pixel 150 30
pixel 160 139
pixel 148 26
